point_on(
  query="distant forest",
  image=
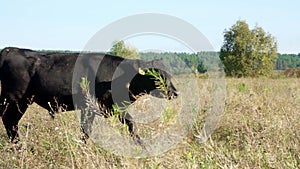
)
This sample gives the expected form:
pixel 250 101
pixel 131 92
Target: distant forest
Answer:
pixel 186 62
pixel 200 61
pixel 286 61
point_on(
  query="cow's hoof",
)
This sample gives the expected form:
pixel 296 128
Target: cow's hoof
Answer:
pixel 137 140
pixel 84 138
pixel 52 115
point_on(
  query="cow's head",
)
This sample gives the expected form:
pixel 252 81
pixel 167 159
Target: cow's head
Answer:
pixel 163 84
pixel 154 81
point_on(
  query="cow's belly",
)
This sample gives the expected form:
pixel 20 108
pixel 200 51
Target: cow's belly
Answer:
pixel 52 84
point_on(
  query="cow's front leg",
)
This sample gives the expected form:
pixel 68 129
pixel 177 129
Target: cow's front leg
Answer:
pixel 126 118
pixel 87 119
pixel 11 117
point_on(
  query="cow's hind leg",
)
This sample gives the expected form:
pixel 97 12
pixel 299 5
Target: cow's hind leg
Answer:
pixel 11 119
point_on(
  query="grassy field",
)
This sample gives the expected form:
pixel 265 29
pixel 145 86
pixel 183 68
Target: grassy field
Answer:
pixel 259 129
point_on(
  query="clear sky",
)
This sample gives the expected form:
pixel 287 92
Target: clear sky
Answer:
pixel 69 24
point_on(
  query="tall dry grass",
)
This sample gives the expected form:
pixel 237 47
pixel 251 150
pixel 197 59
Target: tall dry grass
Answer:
pixel 259 129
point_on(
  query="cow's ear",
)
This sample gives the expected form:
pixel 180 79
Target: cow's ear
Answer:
pixel 141 71
pixel 34 62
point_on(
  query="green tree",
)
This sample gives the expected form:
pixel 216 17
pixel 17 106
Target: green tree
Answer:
pixel 120 49
pixel 248 52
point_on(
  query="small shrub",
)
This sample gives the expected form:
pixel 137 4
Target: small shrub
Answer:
pixel 242 87
pixel 293 72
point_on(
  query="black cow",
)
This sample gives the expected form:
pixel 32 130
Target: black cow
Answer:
pixel 52 80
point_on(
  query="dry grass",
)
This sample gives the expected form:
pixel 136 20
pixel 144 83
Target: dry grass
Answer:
pixel 260 129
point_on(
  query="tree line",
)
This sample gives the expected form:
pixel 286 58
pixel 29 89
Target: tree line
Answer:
pixel 200 62
pixel 195 60
pixel 287 61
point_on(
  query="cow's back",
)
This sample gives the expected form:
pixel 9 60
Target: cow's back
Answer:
pixel 54 74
